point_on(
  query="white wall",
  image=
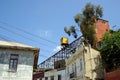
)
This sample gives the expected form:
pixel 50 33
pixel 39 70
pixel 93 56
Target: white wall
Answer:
pixel 24 68
pixel 75 64
pixel 55 73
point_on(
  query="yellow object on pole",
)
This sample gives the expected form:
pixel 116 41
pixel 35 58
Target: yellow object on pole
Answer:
pixel 64 41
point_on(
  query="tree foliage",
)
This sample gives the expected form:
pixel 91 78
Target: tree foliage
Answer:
pixel 70 31
pixel 110 51
pixel 86 21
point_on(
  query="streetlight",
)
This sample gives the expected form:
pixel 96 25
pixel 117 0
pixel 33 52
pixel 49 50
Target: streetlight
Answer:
pixel 89 45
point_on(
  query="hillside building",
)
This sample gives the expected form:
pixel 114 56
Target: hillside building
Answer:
pixel 17 61
pixel 101 26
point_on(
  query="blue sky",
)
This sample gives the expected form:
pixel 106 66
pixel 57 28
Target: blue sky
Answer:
pixel 47 18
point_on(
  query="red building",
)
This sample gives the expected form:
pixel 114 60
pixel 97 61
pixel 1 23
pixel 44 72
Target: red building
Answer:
pixel 101 27
pixel 115 75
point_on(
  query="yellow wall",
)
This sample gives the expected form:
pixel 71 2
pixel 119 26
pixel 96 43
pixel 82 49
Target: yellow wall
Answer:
pixel 96 63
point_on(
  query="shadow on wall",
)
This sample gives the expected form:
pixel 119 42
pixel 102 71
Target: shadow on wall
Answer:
pixel 99 70
pixel 22 59
pixel 3 59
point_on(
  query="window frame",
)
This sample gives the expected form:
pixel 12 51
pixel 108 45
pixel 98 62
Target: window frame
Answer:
pixel 46 78
pixel 52 78
pixel 13 62
pixel 59 77
pixel 81 65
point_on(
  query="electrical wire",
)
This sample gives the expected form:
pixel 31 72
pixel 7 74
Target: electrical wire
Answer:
pixel 23 36
pixel 29 33
pixel 8 30
pixel 26 33
pixel 6 38
pixel 3 38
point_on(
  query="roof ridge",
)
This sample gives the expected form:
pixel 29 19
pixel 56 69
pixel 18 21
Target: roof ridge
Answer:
pixel 16 44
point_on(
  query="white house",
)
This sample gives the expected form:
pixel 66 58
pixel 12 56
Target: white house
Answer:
pixel 55 75
pixel 17 61
pixel 84 64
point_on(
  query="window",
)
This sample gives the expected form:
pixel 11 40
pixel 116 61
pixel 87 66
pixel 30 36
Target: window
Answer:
pixel 80 64
pixel 52 78
pixel 40 78
pixel 72 67
pixel 68 70
pixel 59 77
pixel 13 62
pixel 74 71
pixel 46 78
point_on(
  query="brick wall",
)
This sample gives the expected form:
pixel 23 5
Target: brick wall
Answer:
pixel 115 75
pixel 101 27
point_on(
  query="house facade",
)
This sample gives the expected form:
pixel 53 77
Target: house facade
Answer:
pixel 82 66
pixel 17 61
pixel 55 75
pixel 75 69
pixel 78 67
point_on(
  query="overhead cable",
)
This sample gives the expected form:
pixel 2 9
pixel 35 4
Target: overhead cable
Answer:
pixel 23 36
pixel 29 33
pixel 6 38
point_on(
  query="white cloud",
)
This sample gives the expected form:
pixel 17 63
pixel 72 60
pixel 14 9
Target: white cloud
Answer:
pixel 48 33
pixel 57 48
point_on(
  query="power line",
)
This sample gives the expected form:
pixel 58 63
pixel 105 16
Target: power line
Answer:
pixel 28 33
pixel 6 38
pixel 23 36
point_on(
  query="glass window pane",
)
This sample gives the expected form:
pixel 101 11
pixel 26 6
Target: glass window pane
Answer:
pixel 13 61
pixel 52 77
pixel 46 78
pixel 59 77
pixel 80 64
